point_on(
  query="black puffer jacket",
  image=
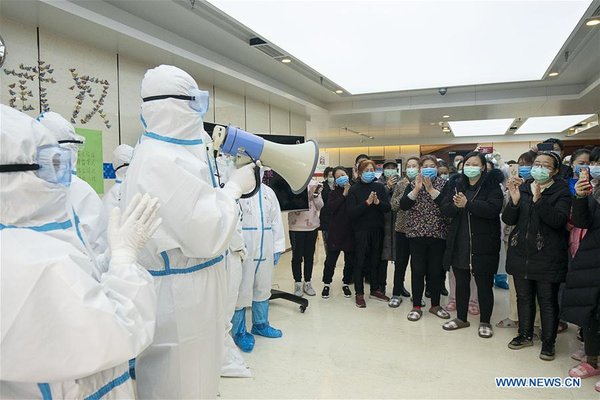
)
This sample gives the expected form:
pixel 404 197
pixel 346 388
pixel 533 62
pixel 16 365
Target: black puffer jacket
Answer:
pixel 477 226
pixel 537 246
pixel 324 214
pixel 581 297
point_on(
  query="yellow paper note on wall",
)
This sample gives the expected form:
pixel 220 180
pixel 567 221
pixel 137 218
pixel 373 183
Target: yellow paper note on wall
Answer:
pixel 89 160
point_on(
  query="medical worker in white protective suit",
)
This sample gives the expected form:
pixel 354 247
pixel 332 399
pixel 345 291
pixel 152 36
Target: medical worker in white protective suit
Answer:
pixel 92 223
pixel 234 365
pixel 187 255
pixel 65 334
pixel 263 232
pixel 121 159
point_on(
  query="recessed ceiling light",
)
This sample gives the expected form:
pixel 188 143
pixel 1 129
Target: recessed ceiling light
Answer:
pixel 553 73
pixel 483 127
pixel 352 60
pixel 551 124
pixel 339 91
pixel 286 60
pixel 593 22
pixel 445 116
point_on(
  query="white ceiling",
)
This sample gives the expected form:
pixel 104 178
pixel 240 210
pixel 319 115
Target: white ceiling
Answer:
pixel 216 50
pixel 409 45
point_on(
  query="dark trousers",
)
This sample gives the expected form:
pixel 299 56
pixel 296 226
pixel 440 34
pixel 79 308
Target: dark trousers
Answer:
pixel 367 259
pixel 427 255
pixel 402 256
pixel 547 297
pixel 303 249
pixel 591 339
pixel 485 292
pixel 331 260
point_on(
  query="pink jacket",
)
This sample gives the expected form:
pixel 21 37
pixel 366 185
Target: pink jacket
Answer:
pixel 307 220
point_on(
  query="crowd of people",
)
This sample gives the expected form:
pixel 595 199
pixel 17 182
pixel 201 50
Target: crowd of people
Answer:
pixel 531 226
pixel 145 292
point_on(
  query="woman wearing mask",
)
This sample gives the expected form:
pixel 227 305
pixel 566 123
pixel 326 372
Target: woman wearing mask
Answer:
pixel 389 179
pixel 427 236
pixel 581 297
pixel 303 227
pixel 525 163
pixel 473 200
pixel 537 252
pixel 328 186
pixel 341 235
pixel 367 203
pixel 579 159
pixel 402 244
pixel 443 171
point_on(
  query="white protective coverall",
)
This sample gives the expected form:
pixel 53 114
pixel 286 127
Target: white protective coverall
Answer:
pixel 63 333
pixel 121 158
pixel 263 233
pixel 83 198
pixel 187 255
pixel 234 365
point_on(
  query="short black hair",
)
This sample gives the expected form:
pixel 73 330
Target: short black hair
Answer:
pixel 556 159
pixel 327 171
pixel 527 157
pixel 476 154
pixel 339 167
pixel 595 155
pixel 358 157
pixel 557 141
pixel 577 153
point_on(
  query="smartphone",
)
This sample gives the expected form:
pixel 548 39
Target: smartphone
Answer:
pixel 545 146
pixel 514 170
pixel 584 174
pixel 486 150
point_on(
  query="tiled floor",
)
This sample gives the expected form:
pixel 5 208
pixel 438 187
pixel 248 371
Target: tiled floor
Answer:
pixel 336 350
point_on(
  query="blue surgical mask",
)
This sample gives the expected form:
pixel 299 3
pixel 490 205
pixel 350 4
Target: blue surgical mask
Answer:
pixel 577 168
pixel 412 172
pixel 388 173
pixel 368 177
pixel 342 180
pixel 55 165
pixel 595 171
pixel 471 171
pixel 540 174
pixel 525 171
pixel 429 172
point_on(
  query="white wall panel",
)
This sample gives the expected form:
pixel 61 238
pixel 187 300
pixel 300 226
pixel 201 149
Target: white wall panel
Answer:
pixel 229 108
pixel 280 121
pixel 298 123
pixel 257 116
pixel 131 74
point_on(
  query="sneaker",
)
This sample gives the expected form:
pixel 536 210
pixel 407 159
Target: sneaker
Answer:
pixel 520 342
pixel 298 289
pixel 360 301
pixel 404 292
pixel 308 289
pixel 378 295
pixel 325 292
pixel 347 292
pixel 547 352
pixel 395 301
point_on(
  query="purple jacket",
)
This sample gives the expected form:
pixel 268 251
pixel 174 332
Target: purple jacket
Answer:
pixel 340 235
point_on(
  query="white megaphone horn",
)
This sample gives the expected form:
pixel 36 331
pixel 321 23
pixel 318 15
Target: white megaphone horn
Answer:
pixel 296 163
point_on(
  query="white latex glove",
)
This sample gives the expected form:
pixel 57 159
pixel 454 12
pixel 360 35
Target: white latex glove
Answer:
pixel 241 181
pixel 129 232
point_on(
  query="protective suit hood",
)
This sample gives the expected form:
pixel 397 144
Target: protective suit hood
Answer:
pixel 62 131
pixel 122 155
pixel 171 118
pixel 27 200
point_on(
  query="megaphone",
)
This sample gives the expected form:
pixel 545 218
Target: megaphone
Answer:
pixel 296 163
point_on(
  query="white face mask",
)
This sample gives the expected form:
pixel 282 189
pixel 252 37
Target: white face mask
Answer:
pixel 330 181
